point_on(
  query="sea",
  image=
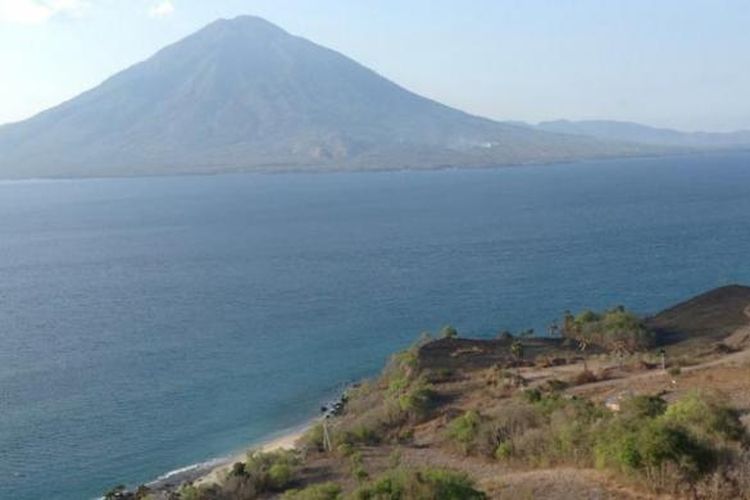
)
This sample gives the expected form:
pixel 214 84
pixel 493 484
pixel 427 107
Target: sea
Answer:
pixel 149 324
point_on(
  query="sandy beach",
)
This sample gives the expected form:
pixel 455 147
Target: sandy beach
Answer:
pixel 213 471
pixel 284 442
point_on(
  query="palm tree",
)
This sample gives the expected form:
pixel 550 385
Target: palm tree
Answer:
pixel 620 349
pixel 516 349
pixel 583 343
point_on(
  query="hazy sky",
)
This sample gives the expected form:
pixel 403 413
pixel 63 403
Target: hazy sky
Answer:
pixel 676 63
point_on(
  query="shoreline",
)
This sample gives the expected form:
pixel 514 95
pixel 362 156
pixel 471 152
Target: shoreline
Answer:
pixel 210 471
pixel 213 470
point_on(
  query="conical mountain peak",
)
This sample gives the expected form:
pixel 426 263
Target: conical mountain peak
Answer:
pixel 243 94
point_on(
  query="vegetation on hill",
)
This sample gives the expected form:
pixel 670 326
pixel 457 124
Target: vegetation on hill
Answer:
pixel 670 448
pixel 614 330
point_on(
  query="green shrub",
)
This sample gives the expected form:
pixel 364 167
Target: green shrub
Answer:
pixel 659 442
pixel 420 484
pixel 190 492
pixel 448 332
pixel 394 459
pixel 313 438
pixel 417 401
pixel 650 439
pixel 357 466
pixel 345 449
pixel 270 471
pixel 359 434
pixel 323 491
pixel 279 475
pixel 464 429
pixel 642 406
pixel 532 395
pixel 504 451
pixel 706 416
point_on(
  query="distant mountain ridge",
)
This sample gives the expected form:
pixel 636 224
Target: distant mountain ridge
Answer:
pixel 243 94
pixel 611 130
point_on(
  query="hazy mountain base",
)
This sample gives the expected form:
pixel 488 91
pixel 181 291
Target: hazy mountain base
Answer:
pixel 522 417
pixel 610 130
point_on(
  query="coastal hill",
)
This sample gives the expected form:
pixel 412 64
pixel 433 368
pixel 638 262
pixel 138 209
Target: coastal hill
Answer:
pixel 243 94
pixel 711 316
pixel 525 417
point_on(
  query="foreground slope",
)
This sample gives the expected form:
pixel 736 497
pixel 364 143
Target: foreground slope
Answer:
pixel 243 94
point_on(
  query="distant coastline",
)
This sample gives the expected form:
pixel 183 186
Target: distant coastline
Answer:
pixel 336 169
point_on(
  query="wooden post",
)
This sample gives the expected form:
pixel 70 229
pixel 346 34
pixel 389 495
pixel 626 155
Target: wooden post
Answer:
pixel 327 446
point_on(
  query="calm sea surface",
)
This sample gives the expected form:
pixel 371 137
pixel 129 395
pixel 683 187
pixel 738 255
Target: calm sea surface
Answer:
pixel 149 324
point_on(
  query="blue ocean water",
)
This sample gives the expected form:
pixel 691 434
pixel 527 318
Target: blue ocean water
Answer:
pixel 148 324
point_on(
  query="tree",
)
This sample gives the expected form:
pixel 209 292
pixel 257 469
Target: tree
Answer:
pixel 238 469
pixel 620 349
pixel 516 349
pixel 448 332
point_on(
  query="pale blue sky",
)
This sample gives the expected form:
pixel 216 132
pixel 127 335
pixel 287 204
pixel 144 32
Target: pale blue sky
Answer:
pixel 675 63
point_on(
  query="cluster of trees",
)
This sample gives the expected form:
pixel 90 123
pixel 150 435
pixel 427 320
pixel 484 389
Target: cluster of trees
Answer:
pixel 617 330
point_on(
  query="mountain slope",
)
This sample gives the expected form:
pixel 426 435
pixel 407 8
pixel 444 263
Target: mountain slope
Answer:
pixel 243 94
pixel 609 130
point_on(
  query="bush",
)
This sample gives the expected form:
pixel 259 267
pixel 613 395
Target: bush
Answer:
pixel 642 406
pixel 271 471
pixel 357 466
pixel 448 332
pixel 672 446
pixel 427 483
pixel 659 442
pixel 323 491
pixel 345 449
pixel 190 492
pixel 279 475
pixel 359 434
pixel 417 401
pixel 313 438
pixel 504 451
pixel 532 395
pixel 706 416
pixel 238 469
pixel 464 430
